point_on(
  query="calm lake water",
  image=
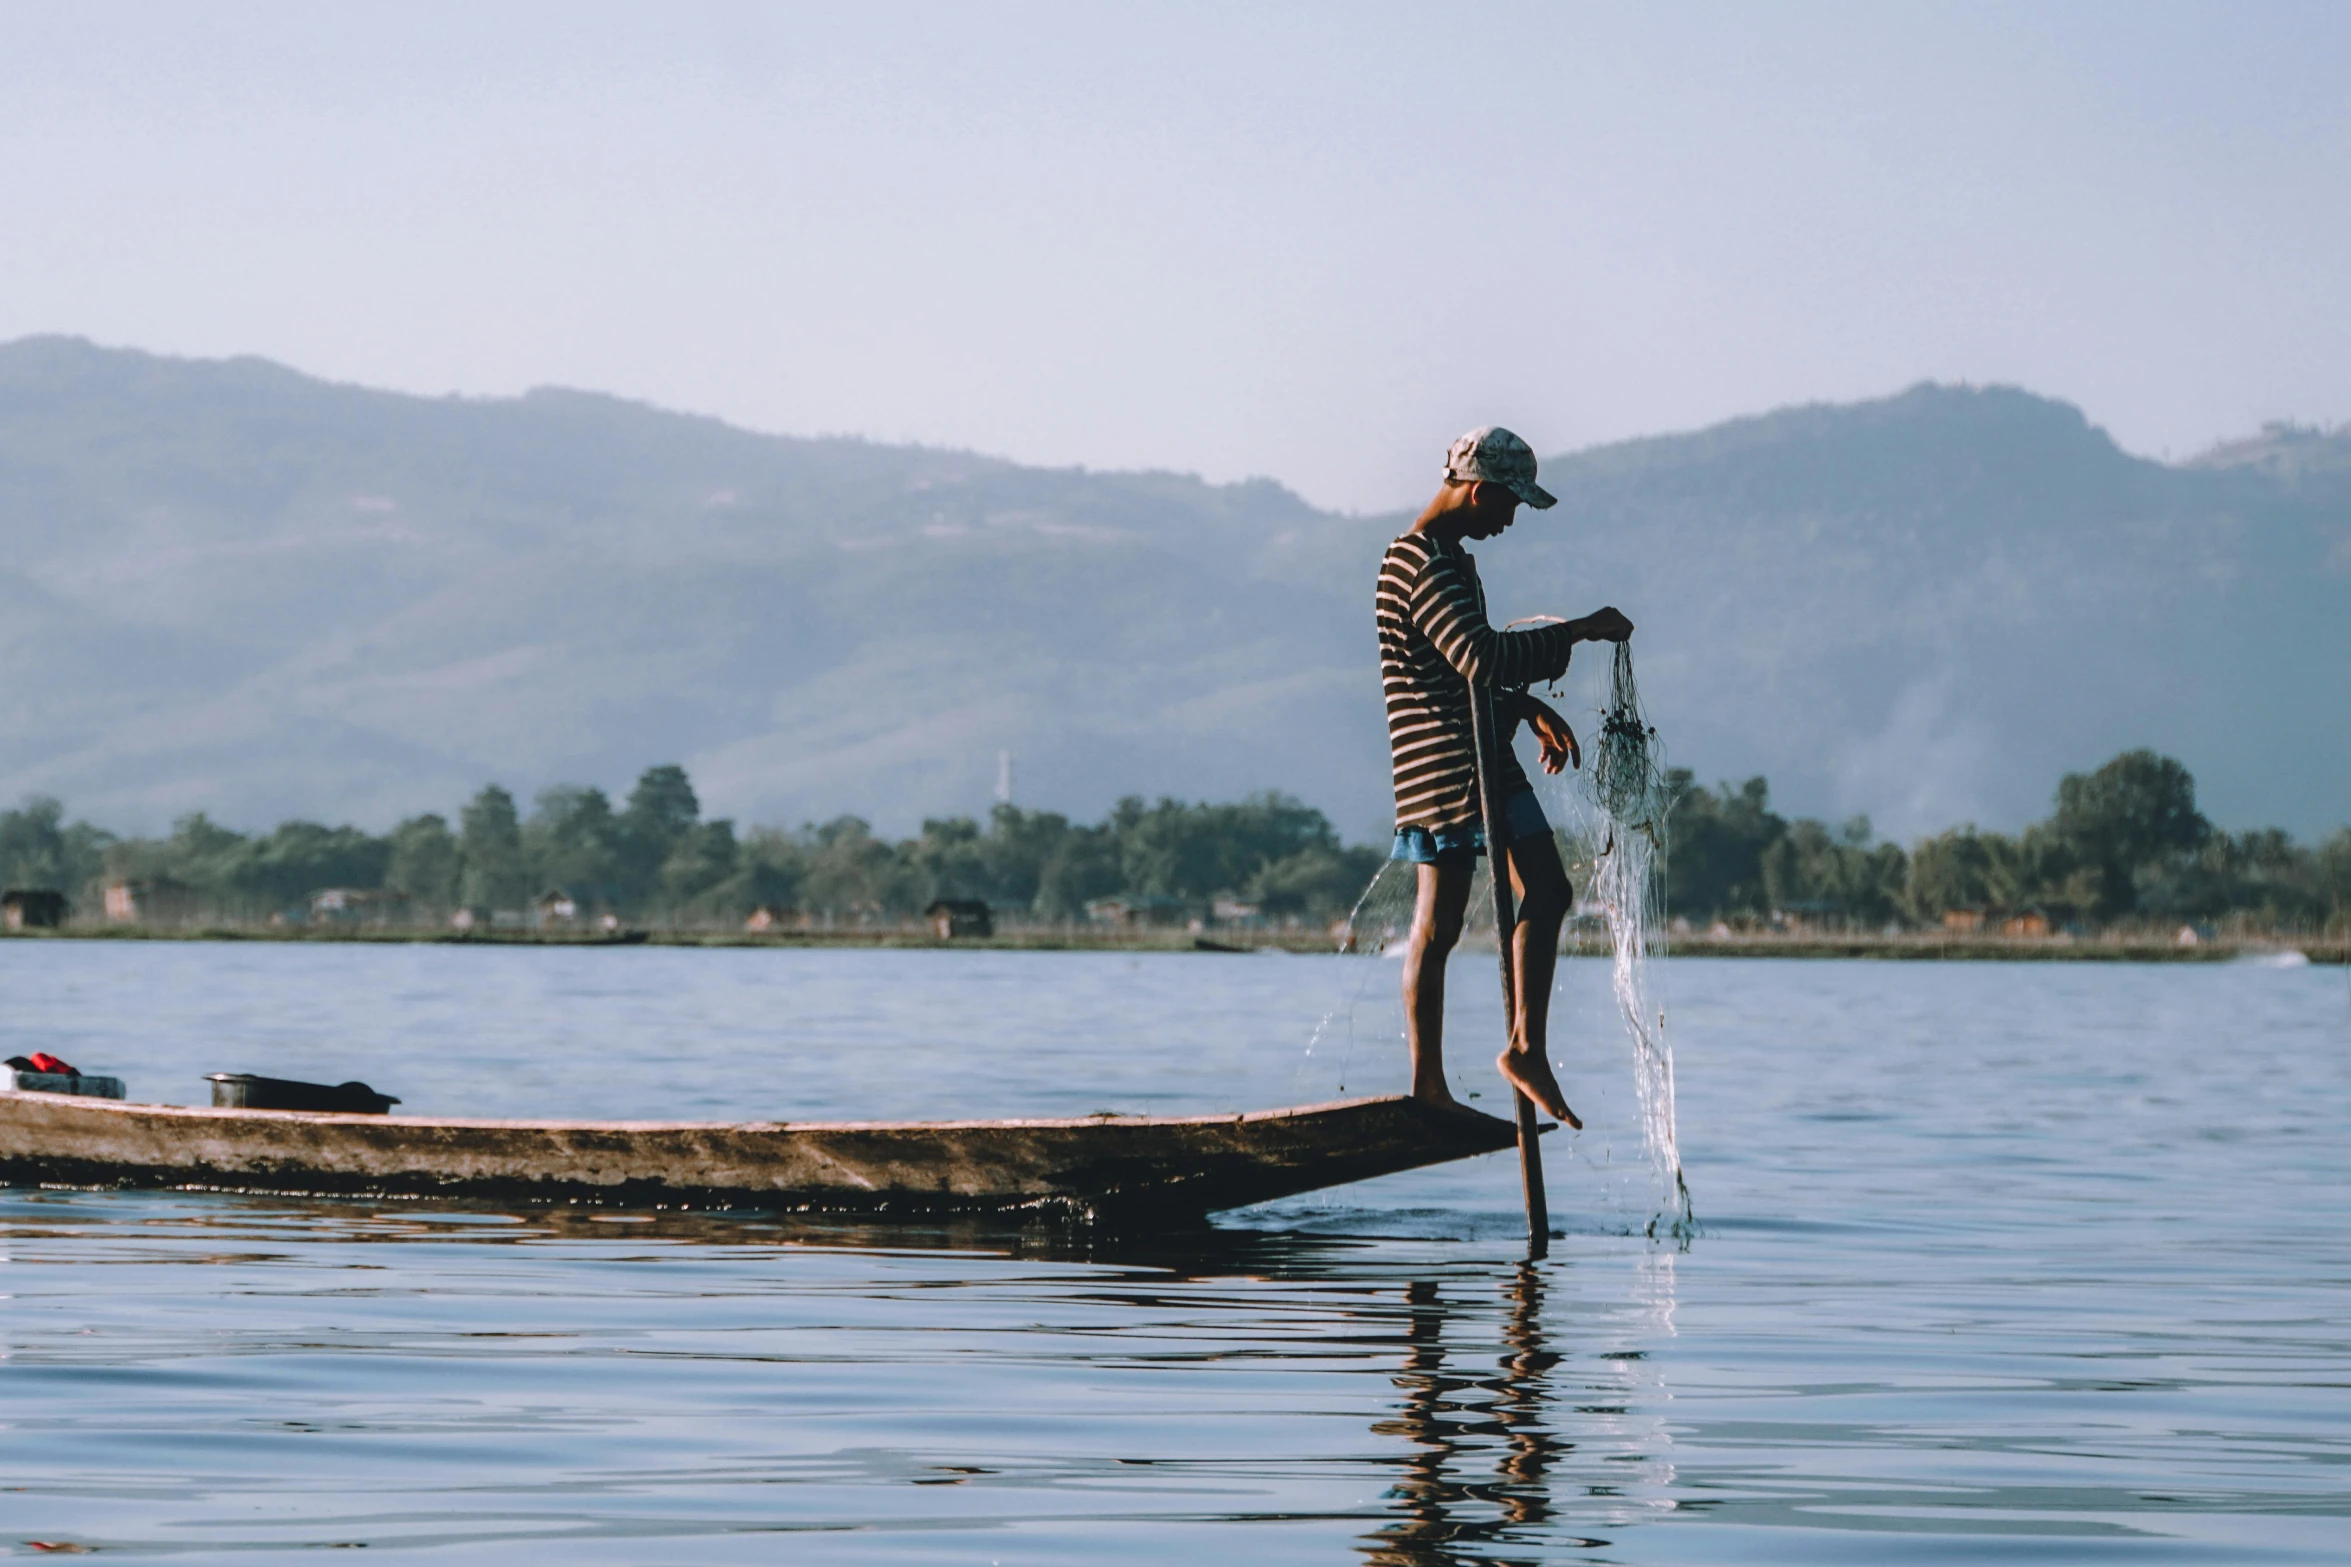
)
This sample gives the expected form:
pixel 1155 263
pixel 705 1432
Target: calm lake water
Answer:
pixel 1997 1263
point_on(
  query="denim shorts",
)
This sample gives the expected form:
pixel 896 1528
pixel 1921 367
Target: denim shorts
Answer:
pixel 1522 813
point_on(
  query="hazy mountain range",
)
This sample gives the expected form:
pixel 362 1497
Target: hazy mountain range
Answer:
pixel 230 587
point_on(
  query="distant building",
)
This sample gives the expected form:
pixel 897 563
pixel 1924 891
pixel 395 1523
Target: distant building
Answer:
pixel 771 916
pixel 952 917
pixel 557 908
pixel 357 905
pixel 479 918
pixel 159 900
pixel 1150 909
pixel 32 908
pixel 1232 911
pixel 1963 922
pixel 2033 922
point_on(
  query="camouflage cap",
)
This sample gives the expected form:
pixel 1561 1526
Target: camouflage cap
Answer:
pixel 1499 457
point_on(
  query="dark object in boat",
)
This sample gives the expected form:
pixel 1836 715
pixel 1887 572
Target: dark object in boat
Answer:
pixel 1159 1167
pixel 244 1091
pixel 43 1073
pixel 42 1061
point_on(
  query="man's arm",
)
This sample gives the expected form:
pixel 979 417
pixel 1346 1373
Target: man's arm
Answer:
pixel 1551 732
pixel 1445 608
pixel 1512 708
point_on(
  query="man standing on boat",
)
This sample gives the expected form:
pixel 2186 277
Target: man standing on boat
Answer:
pixel 1435 645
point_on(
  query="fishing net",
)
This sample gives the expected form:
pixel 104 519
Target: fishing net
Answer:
pixel 1628 771
pixel 1616 848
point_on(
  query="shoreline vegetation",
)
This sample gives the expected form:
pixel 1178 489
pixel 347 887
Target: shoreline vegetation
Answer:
pixel 2133 946
pixel 2126 866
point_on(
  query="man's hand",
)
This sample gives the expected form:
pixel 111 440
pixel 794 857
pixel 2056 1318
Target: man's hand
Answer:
pixel 1602 625
pixel 1558 741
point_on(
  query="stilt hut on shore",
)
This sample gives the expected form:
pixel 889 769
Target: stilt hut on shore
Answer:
pixel 32 908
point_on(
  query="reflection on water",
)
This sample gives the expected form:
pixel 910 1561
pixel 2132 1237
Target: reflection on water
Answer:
pixel 1495 1456
pixel 2031 1264
pixel 221 1329
pixel 1460 1420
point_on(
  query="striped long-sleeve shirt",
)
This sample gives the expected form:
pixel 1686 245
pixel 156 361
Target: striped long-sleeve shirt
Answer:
pixel 1433 633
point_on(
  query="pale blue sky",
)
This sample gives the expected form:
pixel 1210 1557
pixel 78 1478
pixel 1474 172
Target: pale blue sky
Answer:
pixel 1310 242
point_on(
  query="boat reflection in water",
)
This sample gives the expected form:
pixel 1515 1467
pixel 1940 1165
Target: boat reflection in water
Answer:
pixel 1430 1402
pixel 1515 1437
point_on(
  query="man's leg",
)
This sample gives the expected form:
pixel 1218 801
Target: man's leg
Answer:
pixel 1439 903
pixel 1544 898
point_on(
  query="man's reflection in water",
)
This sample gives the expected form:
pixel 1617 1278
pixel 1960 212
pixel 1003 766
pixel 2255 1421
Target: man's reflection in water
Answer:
pixel 1448 1416
pixel 1519 1393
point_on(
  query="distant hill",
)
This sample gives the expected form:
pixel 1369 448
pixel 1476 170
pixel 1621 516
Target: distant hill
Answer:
pixel 231 587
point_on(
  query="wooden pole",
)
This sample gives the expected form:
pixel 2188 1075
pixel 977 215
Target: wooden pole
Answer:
pixel 1487 737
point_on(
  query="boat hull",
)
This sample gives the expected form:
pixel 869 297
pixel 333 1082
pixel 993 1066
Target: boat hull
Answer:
pixel 1101 1165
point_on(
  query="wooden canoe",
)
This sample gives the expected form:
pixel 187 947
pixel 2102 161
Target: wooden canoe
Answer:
pixel 1102 1165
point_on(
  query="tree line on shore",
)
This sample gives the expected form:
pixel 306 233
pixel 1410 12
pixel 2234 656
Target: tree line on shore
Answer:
pixel 2125 843
pixel 655 858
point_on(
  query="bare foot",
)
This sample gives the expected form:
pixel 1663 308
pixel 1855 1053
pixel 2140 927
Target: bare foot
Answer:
pixel 1439 1095
pixel 1531 1075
